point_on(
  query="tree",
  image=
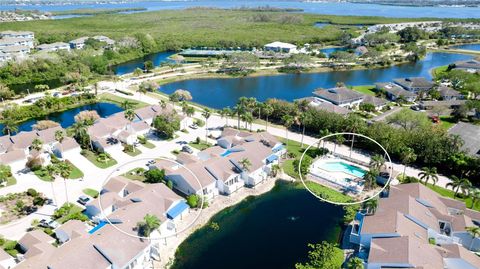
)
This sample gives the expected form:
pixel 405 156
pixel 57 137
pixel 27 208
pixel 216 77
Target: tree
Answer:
pixel 409 120
pixel 355 263
pixel 411 34
pixel 474 232
pixel 183 95
pixel 81 135
pixel 241 61
pixel 37 144
pixel 324 255
pixel 371 205
pixel 45 124
pixel 407 156
pixel 9 126
pixel 41 87
pixel 129 115
pixel 206 114
pixel 192 200
pixel 370 178
pixel 64 170
pixel 59 137
pixel 166 124
pixel 155 176
pixel 458 184
pixel 5 92
pixel 287 122
pixel 87 117
pixel 127 104
pixel 149 224
pixel 427 174
pixel 474 195
pixel 148 66
pixel 148 86
pixel 225 113
pixel 5 173
pixel 248 119
pixel 137 72
pixel 377 162
pixel 267 111
pixel 246 164
pixel 304 168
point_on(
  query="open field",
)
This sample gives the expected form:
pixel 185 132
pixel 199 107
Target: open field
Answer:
pixel 174 29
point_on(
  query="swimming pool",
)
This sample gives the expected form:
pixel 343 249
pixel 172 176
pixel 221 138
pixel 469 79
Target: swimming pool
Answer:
pixel 339 166
pixel 226 153
pixel 98 227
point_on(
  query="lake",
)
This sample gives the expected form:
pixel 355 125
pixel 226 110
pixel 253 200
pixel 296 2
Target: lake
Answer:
pixel 66 118
pixel 221 92
pixel 268 231
pixel 130 66
pixel 330 8
pixel 468 47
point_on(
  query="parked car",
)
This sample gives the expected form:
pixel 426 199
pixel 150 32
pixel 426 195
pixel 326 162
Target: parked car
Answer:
pixel 187 149
pixel 48 224
pixel 194 126
pixel 415 107
pixel 83 200
pixel 56 94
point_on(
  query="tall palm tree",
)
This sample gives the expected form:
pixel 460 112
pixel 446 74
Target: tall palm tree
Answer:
pixel 377 162
pixel 130 116
pixel 37 144
pixel 225 113
pixel 59 137
pixel 248 119
pixel 287 122
pixel 427 174
pixel 355 263
pixel 246 164
pixel 474 195
pixel 407 156
pixel 52 171
pixel 304 119
pixel 371 205
pixel 354 122
pixel 267 111
pixel 458 184
pixel 370 178
pixel 322 133
pixel 339 139
pixel 9 126
pixel 149 224
pixel 64 170
pixel 474 232
pixel 206 114
pixel 127 105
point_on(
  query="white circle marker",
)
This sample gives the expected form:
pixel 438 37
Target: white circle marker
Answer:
pixel 106 218
pixel 340 203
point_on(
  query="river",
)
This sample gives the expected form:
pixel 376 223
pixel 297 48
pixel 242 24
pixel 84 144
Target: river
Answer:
pixel 221 92
pixel 331 8
pixel 67 118
pixel 268 231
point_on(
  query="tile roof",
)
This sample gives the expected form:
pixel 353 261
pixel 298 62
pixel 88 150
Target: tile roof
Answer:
pixel 414 82
pixel 338 95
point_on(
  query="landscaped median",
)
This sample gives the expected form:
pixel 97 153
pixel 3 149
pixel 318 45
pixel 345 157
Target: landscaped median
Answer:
pixel 101 160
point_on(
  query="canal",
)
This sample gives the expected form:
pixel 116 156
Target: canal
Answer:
pixel 268 231
pixel 226 91
pixel 67 118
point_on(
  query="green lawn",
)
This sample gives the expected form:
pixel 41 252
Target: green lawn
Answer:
pixel 149 145
pixel 201 146
pixel 11 181
pixel 92 157
pixel 449 193
pixel 327 193
pixel 73 210
pixel 91 192
pixel 365 89
pixel 293 147
pixel 447 122
pixel 74 174
pixel 135 174
pixel 439 71
pixel 111 98
pixel 133 153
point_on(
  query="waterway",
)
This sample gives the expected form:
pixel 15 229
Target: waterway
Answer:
pixel 268 231
pixel 468 47
pixel 130 66
pixel 221 92
pixel 331 8
pixel 67 117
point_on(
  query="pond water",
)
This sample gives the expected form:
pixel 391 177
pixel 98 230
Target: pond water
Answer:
pixel 66 118
pixel 268 231
pixel 468 47
pixel 130 66
pixel 331 8
pixel 328 51
pixel 221 92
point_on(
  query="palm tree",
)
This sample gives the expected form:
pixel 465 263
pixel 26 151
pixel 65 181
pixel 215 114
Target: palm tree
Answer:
pixel 149 224
pixel 59 137
pixel 64 170
pixel 322 133
pixel 474 232
pixel 303 120
pixel 163 104
pixel 248 119
pixel 206 114
pixel 225 113
pixel 141 90
pixel 354 123
pixel 130 116
pixel 287 122
pixel 377 162
pixel 474 195
pixel 370 178
pixel 371 205
pixel 407 156
pixel 52 171
pixel 127 105
pixel 190 111
pixel 458 184
pixel 339 139
pixel 274 170
pixel 37 144
pixel 9 126
pixel 267 111
pixel 355 263
pixel 428 174
pixel 246 164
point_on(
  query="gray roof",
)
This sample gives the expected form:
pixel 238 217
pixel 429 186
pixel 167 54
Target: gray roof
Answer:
pixel 394 89
pixel 14 49
pixel 318 104
pixel 369 99
pixel 446 103
pixel 338 95
pixel 470 134
pixel 52 45
pixel 448 92
pixel 414 82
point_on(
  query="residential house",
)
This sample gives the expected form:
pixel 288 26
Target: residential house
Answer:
pixel 448 104
pixel 340 96
pixel 378 103
pixel 70 230
pixel 110 42
pixel 361 50
pixel 448 93
pixel 400 231
pixel 6 261
pixel 17 52
pixel 4 57
pixel 394 92
pixel 10 41
pixel 471 66
pixel 414 84
pixel 320 104
pixel 148 114
pixel 67 149
pixel 54 47
pixel 470 135
pixel 30 242
pixel 19 34
pixel 282 47
pixel 78 43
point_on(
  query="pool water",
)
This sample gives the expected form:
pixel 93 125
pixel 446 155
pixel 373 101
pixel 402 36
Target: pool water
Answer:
pixel 226 153
pixel 343 167
pixel 98 227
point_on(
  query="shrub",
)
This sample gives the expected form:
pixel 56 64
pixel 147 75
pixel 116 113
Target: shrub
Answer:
pixel 155 176
pixel 170 184
pixel 192 200
pixel 38 201
pixel 9 245
pixel 32 192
